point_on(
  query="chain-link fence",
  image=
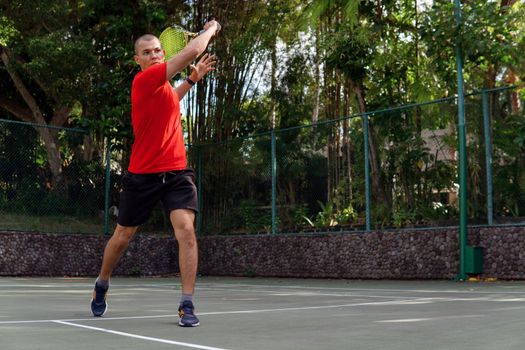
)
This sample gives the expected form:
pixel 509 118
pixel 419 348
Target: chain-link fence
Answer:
pixel 44 184
pixel 234 181
pixel 312 178
pixel 319 177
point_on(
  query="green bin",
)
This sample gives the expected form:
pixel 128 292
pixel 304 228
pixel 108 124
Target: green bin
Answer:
pixel 474 260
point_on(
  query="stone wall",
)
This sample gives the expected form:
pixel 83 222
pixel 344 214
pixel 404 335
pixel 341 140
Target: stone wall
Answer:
pixel 40 254
pixel 408 254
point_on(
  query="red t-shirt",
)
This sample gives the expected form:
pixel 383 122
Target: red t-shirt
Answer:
pixel 155 116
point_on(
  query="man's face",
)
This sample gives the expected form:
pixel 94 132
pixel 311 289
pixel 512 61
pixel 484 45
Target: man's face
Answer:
pixel 148 53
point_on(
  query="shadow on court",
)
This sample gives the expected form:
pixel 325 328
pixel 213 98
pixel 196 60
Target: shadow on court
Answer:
pixel 257 314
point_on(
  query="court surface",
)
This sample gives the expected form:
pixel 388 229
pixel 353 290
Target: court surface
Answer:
pixel 263 313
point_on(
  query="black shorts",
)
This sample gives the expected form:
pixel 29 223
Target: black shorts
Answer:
pixel 141 192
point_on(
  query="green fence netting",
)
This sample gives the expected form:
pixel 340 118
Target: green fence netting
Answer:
pixel 34 196
pixel 310 178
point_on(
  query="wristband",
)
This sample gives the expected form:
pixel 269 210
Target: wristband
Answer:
pixel 189 81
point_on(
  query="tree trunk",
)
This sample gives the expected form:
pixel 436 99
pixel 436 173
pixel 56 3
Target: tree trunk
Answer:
pixel 515 103
pixel 273 86
pixel 317 77
pixel 377 184
pixel 48 135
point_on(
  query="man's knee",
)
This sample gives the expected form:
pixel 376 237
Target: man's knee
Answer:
pixel 182 221
pixel 185 233
pixel 186 227
pixel 123 235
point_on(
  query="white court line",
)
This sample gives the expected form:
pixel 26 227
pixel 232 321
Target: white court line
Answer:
pixel 18 293
pixel 227 286
pixel 98 319
pixel 136 336
pixel 410 320
pixel 307 294
pixel 221 286
pixel 406 320
pixel 508 308
pixel 120 291
pixel 132 292
pixel 414 301
pixel 391 302
pixel 350 293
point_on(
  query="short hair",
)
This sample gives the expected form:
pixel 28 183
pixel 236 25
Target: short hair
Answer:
pixel 145 37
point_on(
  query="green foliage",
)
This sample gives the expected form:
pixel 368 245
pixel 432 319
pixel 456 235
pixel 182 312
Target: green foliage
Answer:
pixel 350 54
pixel 57 50
pixel 489 36
pixel 318 8
pixel 7 31
pixel 17 158
pixel 249 216
pixel 78 56
pixel 329 216
pixel 509 153
pixel 403 218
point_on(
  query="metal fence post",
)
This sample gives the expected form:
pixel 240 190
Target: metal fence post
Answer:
pixel 367 173
pixel 488 157
pixel 199 190
pixel 107 186
pixel 462 153
pixel 274 185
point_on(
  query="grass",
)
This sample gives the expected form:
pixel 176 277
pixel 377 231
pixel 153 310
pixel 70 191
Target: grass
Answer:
pixel 54 224
pixel 69 224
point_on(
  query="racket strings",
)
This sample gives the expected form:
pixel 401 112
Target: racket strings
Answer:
pixel 173 40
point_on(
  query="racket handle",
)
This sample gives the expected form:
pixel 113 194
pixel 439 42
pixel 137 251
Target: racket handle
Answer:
pixel 212 18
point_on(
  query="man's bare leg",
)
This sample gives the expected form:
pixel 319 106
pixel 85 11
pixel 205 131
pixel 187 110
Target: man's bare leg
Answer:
pixel 182 221
pixel 115 247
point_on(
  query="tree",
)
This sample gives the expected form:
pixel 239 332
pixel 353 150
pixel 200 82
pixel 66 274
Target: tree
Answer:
pixel 70 64
pixel 491 36
pixel 46 95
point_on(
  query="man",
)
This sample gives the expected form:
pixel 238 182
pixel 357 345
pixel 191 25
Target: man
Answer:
pixel 157 169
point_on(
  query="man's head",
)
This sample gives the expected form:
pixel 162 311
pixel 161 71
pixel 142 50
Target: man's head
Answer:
pixel 148 51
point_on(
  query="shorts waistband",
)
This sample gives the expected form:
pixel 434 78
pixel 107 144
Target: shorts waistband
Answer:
pixel 172 172
pixel 161 175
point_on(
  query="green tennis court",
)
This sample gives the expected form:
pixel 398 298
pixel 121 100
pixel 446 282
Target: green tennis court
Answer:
pixel 256 313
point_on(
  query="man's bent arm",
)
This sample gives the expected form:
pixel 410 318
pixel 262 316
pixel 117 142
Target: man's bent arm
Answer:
pixel 191 51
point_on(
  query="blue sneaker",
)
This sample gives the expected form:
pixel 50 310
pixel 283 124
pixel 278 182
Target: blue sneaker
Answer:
pixel 98 303
pixel 187 317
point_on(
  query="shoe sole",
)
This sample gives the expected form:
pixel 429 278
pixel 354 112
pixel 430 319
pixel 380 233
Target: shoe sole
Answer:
pixel 188 324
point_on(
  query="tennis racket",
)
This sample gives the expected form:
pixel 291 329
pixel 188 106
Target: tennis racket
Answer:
pixel 174 38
